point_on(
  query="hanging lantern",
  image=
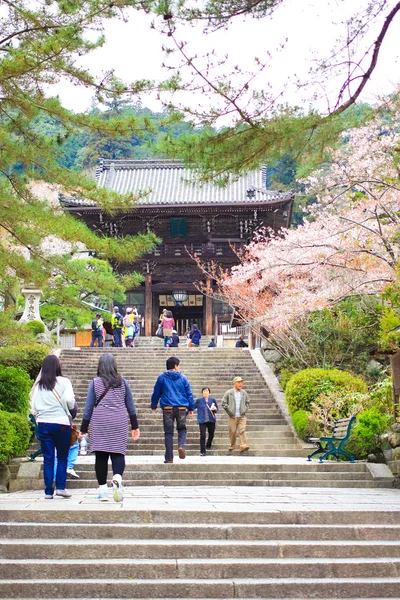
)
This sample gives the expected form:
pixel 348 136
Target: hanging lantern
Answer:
pixel 179 297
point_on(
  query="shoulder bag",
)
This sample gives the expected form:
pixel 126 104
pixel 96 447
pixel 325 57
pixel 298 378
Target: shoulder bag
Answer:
pixel 102 395
pixel 74 429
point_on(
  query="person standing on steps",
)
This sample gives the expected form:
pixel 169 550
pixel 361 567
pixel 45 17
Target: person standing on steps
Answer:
pixel 52 400
pixel 173 391
pixel 207 409
pixel 167 324
pixel 109 400
pixel 236 403
pixel 195 336
pixel 97 331
pixel 117 323
pixel 241 343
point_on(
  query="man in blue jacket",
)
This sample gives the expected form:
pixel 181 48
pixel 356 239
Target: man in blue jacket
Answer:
pixel 173 391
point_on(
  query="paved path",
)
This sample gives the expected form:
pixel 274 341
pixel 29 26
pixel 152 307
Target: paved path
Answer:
pixel 235 499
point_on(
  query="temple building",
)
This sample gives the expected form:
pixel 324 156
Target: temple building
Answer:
pixel 203 219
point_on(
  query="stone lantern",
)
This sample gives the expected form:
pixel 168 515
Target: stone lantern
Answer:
pixel 32 296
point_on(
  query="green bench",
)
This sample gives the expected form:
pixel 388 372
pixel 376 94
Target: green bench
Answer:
pixel 334 446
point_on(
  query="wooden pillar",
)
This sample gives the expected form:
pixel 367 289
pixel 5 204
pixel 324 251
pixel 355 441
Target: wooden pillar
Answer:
pixel 208 310
pixel 148 305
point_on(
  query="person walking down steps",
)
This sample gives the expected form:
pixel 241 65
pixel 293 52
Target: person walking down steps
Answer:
pixel 108 402
pixel 172 390
pixel 236 402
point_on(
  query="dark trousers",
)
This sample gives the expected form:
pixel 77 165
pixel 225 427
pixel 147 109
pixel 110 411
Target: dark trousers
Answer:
pixel 97 336
pixel 117 332
pixel 101 465
pixel 210 427
pixel 171 414
pixel 54 437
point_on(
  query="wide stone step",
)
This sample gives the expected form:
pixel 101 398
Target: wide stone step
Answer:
pixel 208 588
pixel 59 549
pixel 207 531
pixel 190 568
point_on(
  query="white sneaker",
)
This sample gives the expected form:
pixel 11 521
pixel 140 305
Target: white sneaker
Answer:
pixel 118 493
pixel 72 473
pixel 63 493
pixel 103 493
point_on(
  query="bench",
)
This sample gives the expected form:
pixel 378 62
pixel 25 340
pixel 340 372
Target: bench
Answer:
pixel 35 425
pixel 334 445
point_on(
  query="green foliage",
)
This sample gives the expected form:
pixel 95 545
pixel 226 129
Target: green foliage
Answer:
pixel 301 424
pixel 333 405
pixel 365 437
pixel 343 337
pixel 11 332
pixel 42 42
pixel 389 338
pixel 27 357
pixel 15 385
pixel 304 387
pixel 6 436
pixel 36 327
pixel 21 433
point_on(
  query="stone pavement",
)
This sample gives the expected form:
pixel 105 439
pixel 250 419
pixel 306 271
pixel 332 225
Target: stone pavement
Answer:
pixel 208 499
pixel 202 542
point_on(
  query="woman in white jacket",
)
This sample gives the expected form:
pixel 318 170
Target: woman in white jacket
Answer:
pixel 52 400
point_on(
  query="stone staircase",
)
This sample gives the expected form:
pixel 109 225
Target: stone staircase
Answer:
pixel 268 432
pixel 59 553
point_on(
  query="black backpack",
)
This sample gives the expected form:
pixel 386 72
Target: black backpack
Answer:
pixel 94 324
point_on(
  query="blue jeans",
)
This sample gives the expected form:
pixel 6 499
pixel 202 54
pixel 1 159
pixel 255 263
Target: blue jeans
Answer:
pixel 167 340
pixel 54 436
pixel 72 456
pixel 170 414
pixel 117 332
pixel 97 336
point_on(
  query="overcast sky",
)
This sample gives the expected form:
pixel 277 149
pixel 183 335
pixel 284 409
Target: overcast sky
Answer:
pixel 134 50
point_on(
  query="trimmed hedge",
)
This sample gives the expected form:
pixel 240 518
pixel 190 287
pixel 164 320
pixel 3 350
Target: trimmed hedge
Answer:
pixel 27 357
pixel 6 436
pixel 22 433
pixel 15 435
pixel 301 424
pixel 15 385
pixel 365 436
pixel 305 386
pixel 35 327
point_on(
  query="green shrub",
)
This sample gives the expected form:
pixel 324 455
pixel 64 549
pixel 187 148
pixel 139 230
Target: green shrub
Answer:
pixel 365 437
pixel 15 386
pixel 301 424
pixel 35 327
pixel 305 386
pixel 21 433
pixel 6 436
pixel 27 357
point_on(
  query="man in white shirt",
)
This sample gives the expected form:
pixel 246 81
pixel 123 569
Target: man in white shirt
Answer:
pixel 236 402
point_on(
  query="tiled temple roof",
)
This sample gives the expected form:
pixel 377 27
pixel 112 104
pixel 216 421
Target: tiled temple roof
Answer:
pixel 168 183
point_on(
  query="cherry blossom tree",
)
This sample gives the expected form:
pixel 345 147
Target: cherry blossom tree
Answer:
pixel 347 246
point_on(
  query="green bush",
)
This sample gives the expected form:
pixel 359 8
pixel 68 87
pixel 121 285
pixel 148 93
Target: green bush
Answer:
pixel 301 424
pixel 15 386
pixel 27 357
pixel 305 386
pixel 21 433
pixel 35 327
pixel 6 436
pixel 365 437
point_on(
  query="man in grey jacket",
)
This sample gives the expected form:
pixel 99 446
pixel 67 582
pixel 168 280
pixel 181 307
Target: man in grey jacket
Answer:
pixel 236 402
